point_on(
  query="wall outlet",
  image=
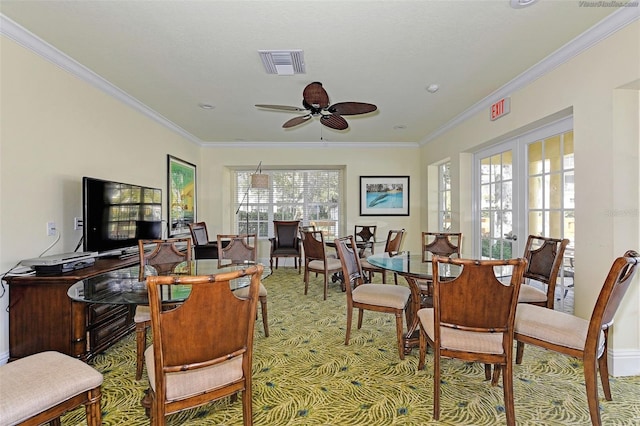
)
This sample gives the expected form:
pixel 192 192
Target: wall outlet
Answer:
pixel 78 223
pixel 51 229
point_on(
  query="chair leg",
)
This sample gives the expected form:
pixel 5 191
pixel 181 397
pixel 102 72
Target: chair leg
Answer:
pixel 507 384
pixel 92 408
pixel 247 408
pixel 360 315
pixel 487 371
pixel 603 367
pixel 519 352
pixel 263 308
pixel 423 349
pixel 326 285
pixel 399 329
pixel 141 343
pixel 349 319
pixel 384 277
pixel 55 422
pixel 436 383
pixel 591 384
pixel 306 280
pixel 496 374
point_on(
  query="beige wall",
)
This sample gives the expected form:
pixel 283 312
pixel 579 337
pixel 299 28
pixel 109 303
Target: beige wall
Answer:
pixel 601 87
pixel 56 129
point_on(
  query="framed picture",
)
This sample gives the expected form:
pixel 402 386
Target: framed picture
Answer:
pixel 384 195
pixel 181 184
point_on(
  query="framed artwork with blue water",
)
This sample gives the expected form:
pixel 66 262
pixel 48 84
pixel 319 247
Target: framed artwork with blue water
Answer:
pixel 384 195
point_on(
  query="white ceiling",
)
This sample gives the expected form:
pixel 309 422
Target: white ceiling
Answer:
pixel 170 56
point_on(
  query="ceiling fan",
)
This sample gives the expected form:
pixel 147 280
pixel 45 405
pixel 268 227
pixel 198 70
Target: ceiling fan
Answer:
pixel 315 101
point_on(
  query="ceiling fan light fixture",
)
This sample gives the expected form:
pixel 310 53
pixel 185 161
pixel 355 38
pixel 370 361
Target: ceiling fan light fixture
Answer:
pixel 519 4
pixel 283 62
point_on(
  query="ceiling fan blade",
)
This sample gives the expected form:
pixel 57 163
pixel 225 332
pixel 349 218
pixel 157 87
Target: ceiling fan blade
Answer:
pixel 315 95
pixel 334 121
pixel 352 108
pixel 280 107
pixel 296 121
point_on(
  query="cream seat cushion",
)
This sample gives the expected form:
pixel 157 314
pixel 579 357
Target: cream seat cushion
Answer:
pixel 529 293
pixel 392 296
pixel 554 327
pixel 31 385
pixel 243 292
pixel 460 340
pixel 332 264
pixel 143 314
pixel 184 384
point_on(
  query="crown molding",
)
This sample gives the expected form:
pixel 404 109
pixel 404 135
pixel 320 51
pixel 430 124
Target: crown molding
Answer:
pixel 603 29
pixel 616 21
pixel 318 144
pixel 30 41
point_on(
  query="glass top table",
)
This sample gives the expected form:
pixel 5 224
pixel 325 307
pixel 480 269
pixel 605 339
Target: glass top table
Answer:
pixel 123 286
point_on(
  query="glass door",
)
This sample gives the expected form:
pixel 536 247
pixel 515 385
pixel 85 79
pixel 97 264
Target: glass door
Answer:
pixel 497 202
pixel 525 186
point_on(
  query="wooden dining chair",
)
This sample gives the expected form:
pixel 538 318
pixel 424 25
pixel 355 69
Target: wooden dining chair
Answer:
pixel 202 349
pixel 316 259
pixel 587 340
pixel 286 242
pixel 161 255
pixel 203 248
pixel 447 244
pixel 544 259
pixel 393 244
pixel 373 297
pixel 472 319
pixel 366 234
pixel 240 249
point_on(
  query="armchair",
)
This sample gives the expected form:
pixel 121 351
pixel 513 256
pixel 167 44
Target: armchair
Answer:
pixel 285 242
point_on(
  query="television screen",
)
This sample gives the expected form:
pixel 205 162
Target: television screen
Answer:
pixel 116 215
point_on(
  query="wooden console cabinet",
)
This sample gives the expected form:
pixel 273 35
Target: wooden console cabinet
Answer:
pixel 42 317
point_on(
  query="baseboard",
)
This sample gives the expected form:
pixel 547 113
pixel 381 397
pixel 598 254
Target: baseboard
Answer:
pixel 4 358
pixel 624 362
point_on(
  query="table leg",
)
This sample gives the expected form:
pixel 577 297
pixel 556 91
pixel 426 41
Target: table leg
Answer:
pixel 412 337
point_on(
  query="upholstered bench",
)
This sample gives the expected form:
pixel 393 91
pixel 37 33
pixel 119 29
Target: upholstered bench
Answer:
pixel 41 387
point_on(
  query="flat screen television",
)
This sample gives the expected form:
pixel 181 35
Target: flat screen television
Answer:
pixel 116 215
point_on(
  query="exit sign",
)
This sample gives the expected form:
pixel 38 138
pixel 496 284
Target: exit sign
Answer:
pixel 500 108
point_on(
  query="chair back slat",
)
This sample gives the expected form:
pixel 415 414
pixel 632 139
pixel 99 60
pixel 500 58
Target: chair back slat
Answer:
pixel 441 243
pixel 477 299
pixel 199 233
pixel 197 332
pixel 240 248
pixel 394 240
pixel 544 258
pixel 616 284
pixel 164 255
pixel 351 267
pixel 286 233
pixel 313 244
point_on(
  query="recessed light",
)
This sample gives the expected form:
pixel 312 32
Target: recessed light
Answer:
pixel 206 106
pixel 433 88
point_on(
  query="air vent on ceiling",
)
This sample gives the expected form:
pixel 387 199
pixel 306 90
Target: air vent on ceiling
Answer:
pixel 283 62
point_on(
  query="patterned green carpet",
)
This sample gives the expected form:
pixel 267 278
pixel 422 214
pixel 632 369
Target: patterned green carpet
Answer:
pixel 305 375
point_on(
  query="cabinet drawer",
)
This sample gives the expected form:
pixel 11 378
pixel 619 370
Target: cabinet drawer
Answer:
pixel 107 333
pixel 98 313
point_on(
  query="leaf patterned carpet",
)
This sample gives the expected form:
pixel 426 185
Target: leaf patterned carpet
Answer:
pixel 305 375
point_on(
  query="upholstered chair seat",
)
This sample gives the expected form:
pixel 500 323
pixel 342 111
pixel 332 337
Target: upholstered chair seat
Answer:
pixel 555 327
pixel 42 387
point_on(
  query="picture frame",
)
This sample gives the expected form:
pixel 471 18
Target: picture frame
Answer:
pixel 181 195
pixel 384 195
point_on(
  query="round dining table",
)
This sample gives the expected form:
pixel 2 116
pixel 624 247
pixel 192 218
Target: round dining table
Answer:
pixel 127 285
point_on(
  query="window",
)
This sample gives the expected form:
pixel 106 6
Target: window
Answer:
pixel 444 197
pixel 311 196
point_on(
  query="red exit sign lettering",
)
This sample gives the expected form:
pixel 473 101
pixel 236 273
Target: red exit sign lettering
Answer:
pixel 500 108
